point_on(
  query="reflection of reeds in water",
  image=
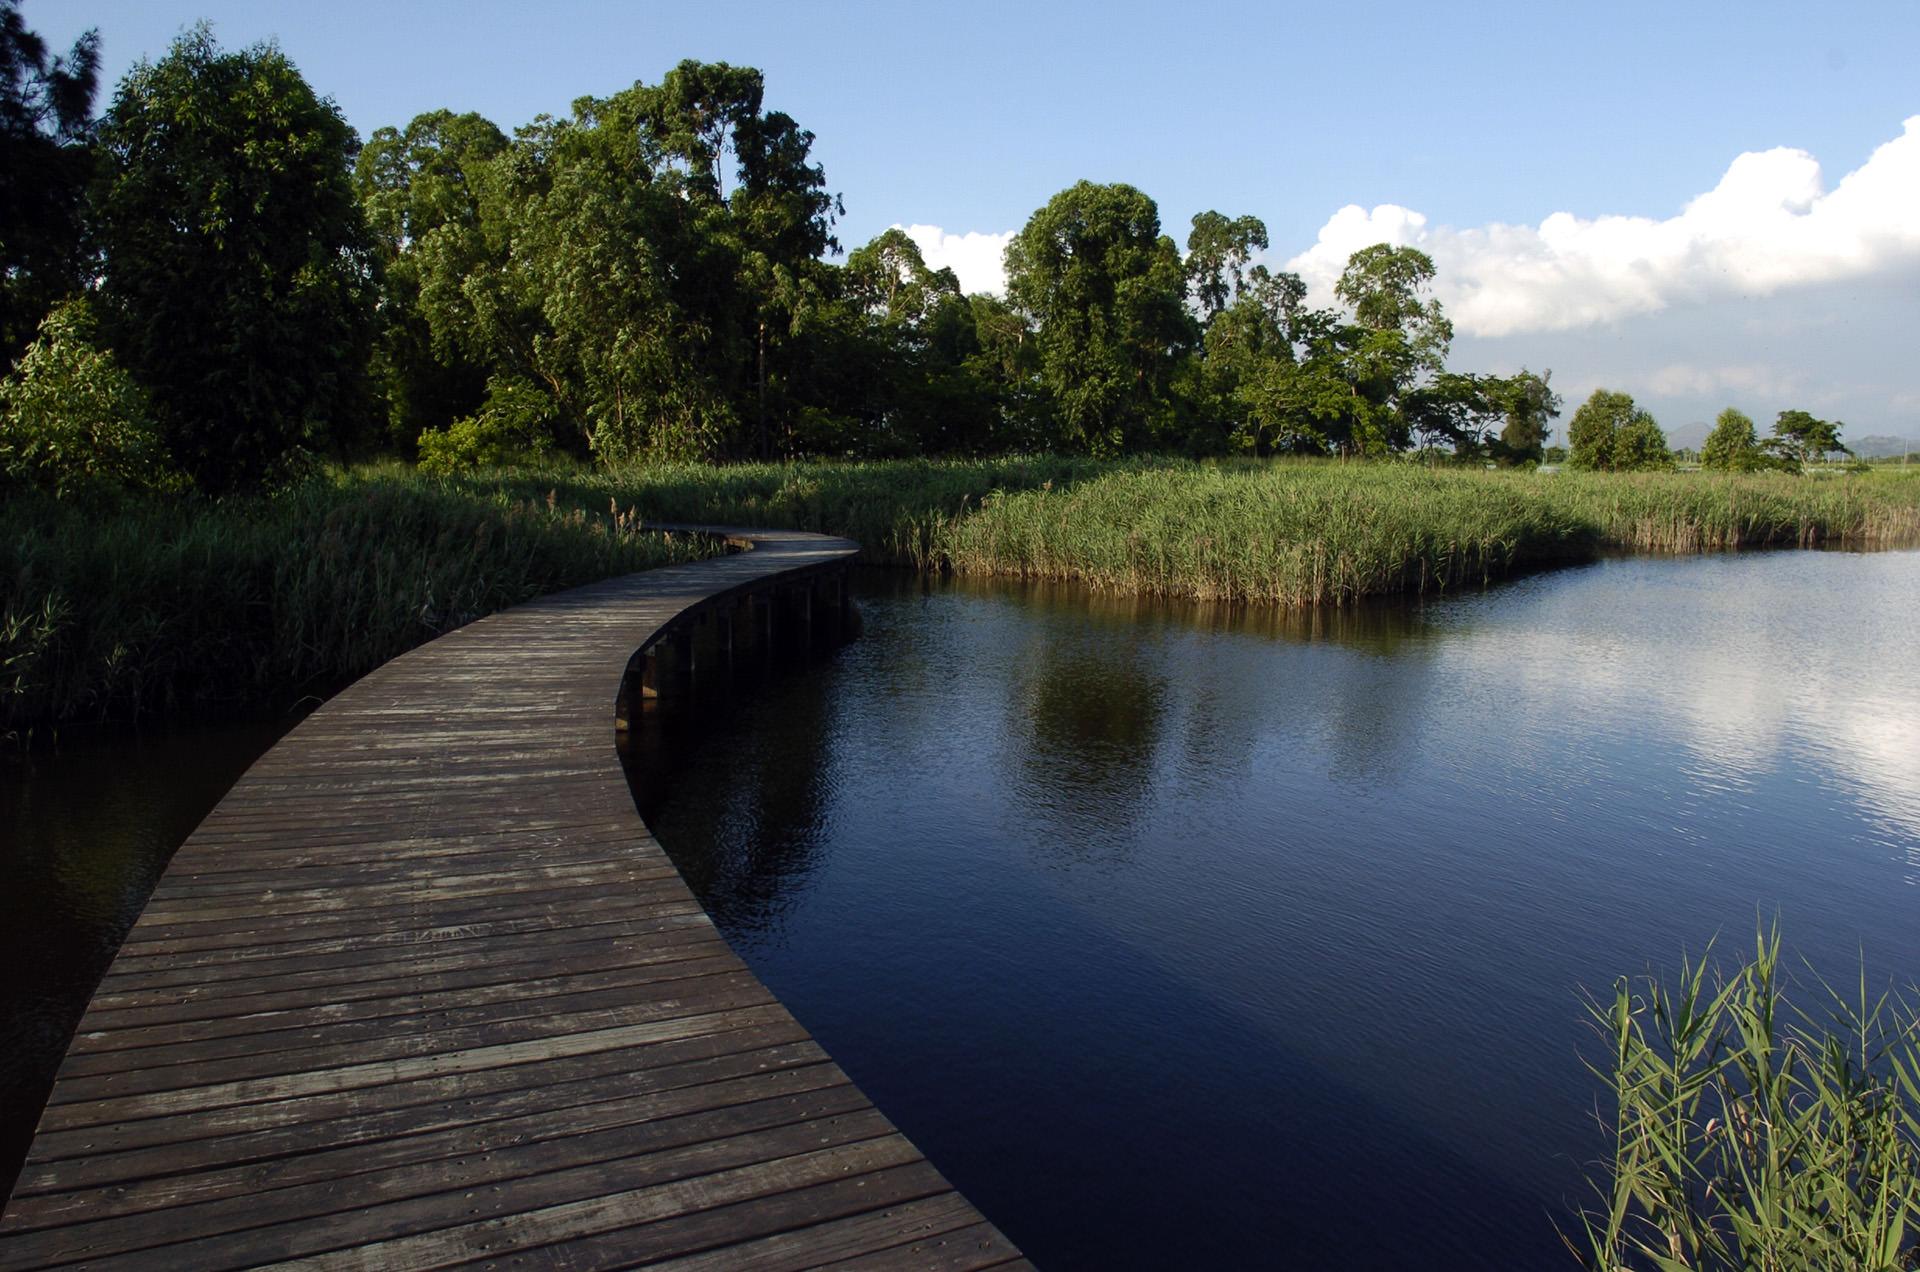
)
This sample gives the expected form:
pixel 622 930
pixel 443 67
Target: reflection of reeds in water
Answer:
pixel 244 604
pixel 1751 1134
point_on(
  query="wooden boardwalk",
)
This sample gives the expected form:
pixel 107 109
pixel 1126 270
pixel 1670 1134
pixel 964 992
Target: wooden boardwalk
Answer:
pixel 423 992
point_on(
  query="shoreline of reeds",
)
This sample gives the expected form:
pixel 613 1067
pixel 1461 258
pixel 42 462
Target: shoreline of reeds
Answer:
pixel 244 606
pixel 1280 532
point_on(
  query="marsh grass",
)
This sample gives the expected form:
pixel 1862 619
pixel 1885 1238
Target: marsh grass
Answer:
pixel 1751 1134
pixel 1293 533
pixel 245 605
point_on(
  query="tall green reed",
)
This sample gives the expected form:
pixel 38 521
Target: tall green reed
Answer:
pixel 1752 1135
pixel 248 604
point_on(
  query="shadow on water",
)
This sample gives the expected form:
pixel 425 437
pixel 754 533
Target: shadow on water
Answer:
pixel 88 827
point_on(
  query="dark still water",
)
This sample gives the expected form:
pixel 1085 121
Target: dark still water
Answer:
pixel 1187 938
pixel 85 831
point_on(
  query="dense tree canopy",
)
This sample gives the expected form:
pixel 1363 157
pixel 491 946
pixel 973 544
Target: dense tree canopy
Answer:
pixel 653 275
pixel 1609 432
pixel 238 284
pixel 1731 446
pixel 1800 438
pixel 46 123
pixel 1105 291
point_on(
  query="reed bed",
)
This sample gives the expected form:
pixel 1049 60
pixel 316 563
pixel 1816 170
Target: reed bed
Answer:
pixel 1290 533
pixel 250 604
pixel 1320 534
pixel 247 605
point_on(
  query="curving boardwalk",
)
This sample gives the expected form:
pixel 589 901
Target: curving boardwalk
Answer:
pixel 423 992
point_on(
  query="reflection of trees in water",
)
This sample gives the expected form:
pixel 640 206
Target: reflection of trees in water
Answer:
pixel 1108 692
pixel 747 853
pixel 1084 716
pixel 1098 697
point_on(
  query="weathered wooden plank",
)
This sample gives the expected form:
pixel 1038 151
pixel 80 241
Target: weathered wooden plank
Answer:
pixel 86 1157
pixel 451 1028
pixel 469 940
pixel 817 1204
pixel 203 1040
pixel 423 990
pixel 357 976
pixel 915 1226
pixel 419 1166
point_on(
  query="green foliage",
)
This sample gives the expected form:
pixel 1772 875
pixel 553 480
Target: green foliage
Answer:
pixel 72 421
pixel 244 603
pixel 1289 531
pixel 1529 405
pixel 1105 292
pixel 652 262
pixel 238 282
pixel 46 109
pixel 1218 251
pixel 248 603
pixel 422 191
pixel 1752 1134
pixel 1732 445
pixel 1385 286
pixel 1610 434
pixel 514 426
pixel 1800 439
pixel 930 386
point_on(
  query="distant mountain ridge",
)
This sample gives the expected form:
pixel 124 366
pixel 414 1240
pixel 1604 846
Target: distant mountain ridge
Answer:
pixel 1880 445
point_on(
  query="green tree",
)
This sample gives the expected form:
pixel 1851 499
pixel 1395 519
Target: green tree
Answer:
pixel 426 192
pixel 1105 291
pixel 1529 405
pixel 1386 288
pixel 1218 251
pixel 1248 372
pixel 1610 433
pixel 238 284
pixel 920 356
pixel 72 421
pixel 1799 438
pixel 1732 446
pixel 46 122
pixel 658 268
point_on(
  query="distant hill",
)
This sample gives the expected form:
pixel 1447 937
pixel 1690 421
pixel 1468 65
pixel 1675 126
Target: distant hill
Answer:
pixel 1688 436
pixel 1879 445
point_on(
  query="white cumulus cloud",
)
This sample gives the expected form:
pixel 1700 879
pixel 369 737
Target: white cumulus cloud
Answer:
pixel 977 258
pixel 1769 225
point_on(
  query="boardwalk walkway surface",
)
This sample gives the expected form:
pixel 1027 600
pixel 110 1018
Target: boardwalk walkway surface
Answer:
pixel 423 992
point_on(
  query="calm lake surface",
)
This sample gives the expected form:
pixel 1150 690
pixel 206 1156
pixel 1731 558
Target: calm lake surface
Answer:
pixel 1203 938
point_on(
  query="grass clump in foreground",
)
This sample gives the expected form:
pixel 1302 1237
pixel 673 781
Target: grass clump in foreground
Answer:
pixel 245 605
pixel 1752 1135
pixel 1288 532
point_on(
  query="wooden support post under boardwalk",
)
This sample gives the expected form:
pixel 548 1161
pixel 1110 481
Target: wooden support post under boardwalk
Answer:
pixel 423 991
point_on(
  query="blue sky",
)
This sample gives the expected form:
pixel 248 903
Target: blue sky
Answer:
pixel 1453 119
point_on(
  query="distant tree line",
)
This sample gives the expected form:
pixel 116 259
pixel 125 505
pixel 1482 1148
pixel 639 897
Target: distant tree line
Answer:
pixel 216 280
